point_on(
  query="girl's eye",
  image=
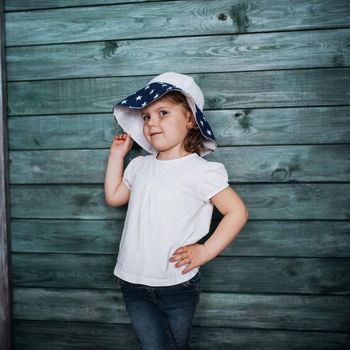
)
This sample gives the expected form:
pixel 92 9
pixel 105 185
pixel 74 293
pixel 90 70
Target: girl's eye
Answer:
pixel 162 113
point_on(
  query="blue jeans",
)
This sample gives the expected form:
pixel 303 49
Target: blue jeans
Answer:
pixel 162 316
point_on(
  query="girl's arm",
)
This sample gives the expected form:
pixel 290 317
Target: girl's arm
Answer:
pixel 116 193
pixel 235 217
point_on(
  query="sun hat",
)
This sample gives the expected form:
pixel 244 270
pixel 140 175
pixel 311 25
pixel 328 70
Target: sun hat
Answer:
pixel 128 111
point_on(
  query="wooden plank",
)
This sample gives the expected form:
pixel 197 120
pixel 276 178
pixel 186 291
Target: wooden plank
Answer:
pixel 85 336
pixel 6 335
pixel 253 52
pixel 64 236
pixel 17 5
pixel 223 274
pixel 233 127
pixel 169 18
pixel 284 88
pixel 244 164
pixel 290 312
pixel 258 238
pixel 309 201
pixel 41 335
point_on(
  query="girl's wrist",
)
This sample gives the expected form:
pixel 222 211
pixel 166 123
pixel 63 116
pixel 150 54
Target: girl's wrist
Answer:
pixel 209 255
pixel 115 155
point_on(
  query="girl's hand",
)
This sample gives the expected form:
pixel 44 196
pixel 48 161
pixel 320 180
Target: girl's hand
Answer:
pixel 194 255
pixel 121 144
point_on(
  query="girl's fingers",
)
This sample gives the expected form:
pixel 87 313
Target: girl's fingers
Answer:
pixel 188 268
pixel 179 250
pixel 183 262
pixel 177 256
pixel 181 258
pixel 120 137
pixel 173 258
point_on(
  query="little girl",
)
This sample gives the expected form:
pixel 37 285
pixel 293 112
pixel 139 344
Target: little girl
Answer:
pixel 170 195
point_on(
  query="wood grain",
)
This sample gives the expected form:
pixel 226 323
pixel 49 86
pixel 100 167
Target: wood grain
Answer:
pixel 255 164
pixel 327 276
pixel 233 53
pixel 233 127
pixel 305 201
pixel 275 75
pixel 259 238
pixel 284 312
pixel 35 335
pixel 283 88
pixel 79 23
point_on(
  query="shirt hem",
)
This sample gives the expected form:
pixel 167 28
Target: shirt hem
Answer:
pixel 152 282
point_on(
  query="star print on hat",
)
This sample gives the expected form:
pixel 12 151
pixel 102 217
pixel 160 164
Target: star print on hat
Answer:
pixel 128 111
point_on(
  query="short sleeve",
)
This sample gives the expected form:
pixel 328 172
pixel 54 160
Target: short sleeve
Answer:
pixel 213 180
pixel 129 173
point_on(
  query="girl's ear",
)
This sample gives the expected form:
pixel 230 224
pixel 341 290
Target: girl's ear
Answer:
pixel 191 122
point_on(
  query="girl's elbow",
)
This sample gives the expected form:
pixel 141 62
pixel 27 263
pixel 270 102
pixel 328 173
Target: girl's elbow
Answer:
pixel 113 204
pixel 109 201
pixel 246 214
pixel 240 213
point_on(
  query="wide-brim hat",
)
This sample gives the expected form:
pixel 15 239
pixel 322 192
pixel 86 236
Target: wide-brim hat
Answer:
pixel 128 111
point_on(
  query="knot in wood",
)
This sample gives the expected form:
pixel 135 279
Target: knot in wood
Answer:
pixel 280 174
pixel 222 17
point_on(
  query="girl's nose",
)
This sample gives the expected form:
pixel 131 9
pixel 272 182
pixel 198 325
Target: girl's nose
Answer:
pixel 151 122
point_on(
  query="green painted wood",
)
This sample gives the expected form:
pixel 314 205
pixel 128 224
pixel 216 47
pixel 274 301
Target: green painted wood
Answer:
pixel 282 90
pixel 310 87
pixel 6 329
pixel 166 19
pixel 84 336
pixel 41 335
pixel 309 201
pixel 290 312
pixel 270 126
pixel 17 5
pixel 244 164
pixel 237 274
pixel 60 236
pixel 286 50
pixel 258 238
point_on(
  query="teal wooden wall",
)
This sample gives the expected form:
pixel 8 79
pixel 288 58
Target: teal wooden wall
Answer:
pixel 276 79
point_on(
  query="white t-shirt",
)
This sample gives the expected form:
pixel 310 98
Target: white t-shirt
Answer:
pixel 169 207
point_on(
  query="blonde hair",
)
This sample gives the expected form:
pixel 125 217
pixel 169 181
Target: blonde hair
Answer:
pixel 193 141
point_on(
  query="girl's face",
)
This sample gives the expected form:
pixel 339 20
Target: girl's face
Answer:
pixel 166 124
